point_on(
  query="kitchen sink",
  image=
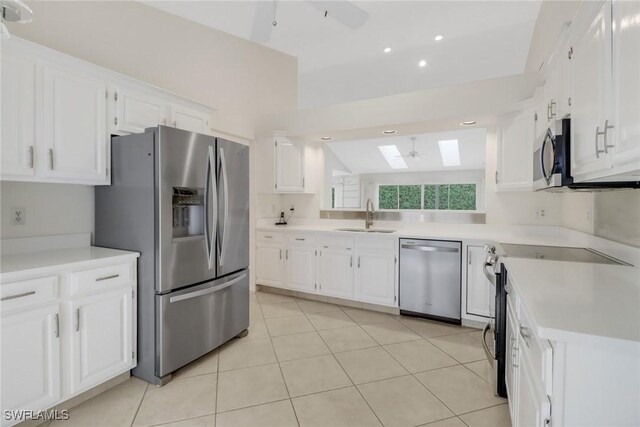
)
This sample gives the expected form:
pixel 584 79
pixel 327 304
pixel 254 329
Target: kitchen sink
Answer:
pixel 365 230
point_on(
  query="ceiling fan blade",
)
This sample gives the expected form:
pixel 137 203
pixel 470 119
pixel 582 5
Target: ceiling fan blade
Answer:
pixel 262 22
pixel 342 11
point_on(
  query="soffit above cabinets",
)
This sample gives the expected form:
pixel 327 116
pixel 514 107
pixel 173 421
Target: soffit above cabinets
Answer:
pixel 481 40
pixel 364 156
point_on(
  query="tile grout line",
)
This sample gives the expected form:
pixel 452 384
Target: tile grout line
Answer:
pixel 139 404
pixel 278 361
pixel 345 372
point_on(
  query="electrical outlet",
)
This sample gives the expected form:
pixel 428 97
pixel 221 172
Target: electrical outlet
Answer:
pixel 17 216
pixel 540 213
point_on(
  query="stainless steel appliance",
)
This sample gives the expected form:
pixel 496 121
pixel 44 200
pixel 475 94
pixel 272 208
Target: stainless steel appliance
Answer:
pixel 181 199
pixel 494 334
pixel 430 278
pixel 552 163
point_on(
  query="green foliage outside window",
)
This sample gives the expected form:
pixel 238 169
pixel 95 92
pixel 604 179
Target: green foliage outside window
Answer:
pixel 388 197
pixel 437 197
pixel 410 197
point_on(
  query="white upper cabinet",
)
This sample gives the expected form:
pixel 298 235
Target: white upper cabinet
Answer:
pixel 289 166
pixel 74 132
pixel 183 117
pixel 626 84
pixel 18 116
pixel 591 105
pixel 135 111
pixel 515 145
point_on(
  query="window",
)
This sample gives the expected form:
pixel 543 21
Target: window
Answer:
pixel 430 196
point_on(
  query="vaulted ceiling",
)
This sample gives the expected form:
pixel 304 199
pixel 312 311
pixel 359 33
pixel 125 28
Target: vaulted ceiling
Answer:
pixel 337 64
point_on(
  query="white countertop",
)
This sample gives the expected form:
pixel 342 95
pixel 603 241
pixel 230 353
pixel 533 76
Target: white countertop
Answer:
pixel 579 302
pixel 13 266
pixel 569 301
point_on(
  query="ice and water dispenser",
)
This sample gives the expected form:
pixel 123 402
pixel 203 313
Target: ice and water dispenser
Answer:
pixel 188 212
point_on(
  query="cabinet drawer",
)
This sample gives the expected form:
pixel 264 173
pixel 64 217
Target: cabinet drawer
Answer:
pixel 270 237
pixel 538 352
pixel 300 239
pixel 101 278
pixel 28 293
pixel 375 244
pixel 336 243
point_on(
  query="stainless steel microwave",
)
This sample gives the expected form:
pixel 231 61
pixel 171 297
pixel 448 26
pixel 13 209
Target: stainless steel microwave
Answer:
pixel 552 163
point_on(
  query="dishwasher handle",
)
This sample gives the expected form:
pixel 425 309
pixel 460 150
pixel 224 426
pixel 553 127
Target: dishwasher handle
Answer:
pixel 430 248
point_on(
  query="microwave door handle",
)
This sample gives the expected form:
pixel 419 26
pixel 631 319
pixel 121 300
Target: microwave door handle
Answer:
pixel 544 143
pixel 225 187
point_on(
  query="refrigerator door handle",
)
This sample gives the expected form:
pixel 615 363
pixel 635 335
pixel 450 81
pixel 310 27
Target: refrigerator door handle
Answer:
pixel 208 290
pixel 209 186
pixel 223 235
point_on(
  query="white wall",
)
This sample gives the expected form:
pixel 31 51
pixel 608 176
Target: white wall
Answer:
pixel 239 78
pixel 49 209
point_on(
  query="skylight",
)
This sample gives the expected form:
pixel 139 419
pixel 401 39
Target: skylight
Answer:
pixel 449 152
pixel 392 156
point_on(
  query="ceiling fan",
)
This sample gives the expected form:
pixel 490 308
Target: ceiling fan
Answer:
pixel 413 154
pixel 342 11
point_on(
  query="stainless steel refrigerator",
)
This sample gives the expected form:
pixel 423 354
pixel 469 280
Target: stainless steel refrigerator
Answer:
pixel 181 199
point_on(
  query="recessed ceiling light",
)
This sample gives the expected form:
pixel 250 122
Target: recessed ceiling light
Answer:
pixel 387 49
pixel 389 131
pixel 422 63
pixel 438 37
pixel 392 155
pixel 468 123
pixel 449 152
pixel 326 138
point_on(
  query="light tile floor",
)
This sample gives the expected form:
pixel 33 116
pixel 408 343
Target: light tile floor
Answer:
pixel 308 363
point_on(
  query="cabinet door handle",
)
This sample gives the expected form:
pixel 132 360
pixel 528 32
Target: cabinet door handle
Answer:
pixel 607 126
pixel 31 156
pixel 358 261
pixel 51 158
pixel 113 276
pixel 351 261
pixel 16 296
pixel 280 253
pixel 286 254
pixel 78 319
pixel 57 325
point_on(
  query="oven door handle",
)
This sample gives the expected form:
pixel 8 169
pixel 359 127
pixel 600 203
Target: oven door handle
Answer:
pixel 491 277
pixel 490 357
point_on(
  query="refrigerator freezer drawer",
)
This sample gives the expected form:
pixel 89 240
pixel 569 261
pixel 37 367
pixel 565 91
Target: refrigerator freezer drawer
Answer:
pixel 194 321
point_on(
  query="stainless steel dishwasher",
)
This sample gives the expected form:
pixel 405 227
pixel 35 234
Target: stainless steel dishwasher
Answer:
pixel 430 278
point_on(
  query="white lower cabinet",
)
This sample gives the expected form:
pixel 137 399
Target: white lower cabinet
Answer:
pixel 269 265
pixel 376 270
pixel 30 358
pixel 61 338
pixel 362 269
pixel 101 344
pixel 300 262
pixel 480 292
pixel 335 273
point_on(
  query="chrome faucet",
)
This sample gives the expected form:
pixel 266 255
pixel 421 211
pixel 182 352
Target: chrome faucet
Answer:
pixel 368 220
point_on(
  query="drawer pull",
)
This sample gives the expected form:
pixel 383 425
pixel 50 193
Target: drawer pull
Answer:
pixel 113 276
pixel 300 238
pixel 268 237
pixel 16 296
